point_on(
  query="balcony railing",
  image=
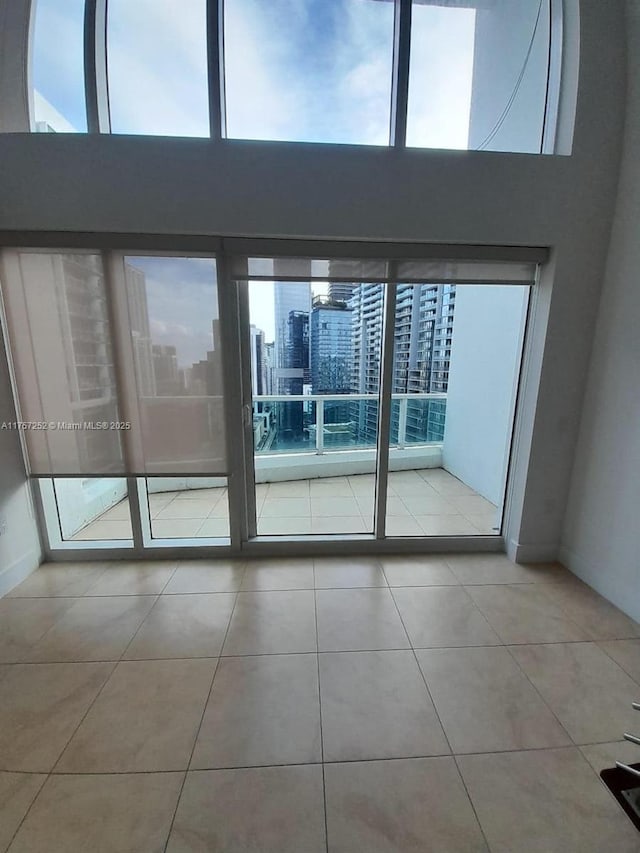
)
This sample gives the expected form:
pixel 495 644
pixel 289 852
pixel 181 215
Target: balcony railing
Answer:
pixel 321 423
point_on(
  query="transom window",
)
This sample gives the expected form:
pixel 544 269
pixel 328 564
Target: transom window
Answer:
pixel 452 74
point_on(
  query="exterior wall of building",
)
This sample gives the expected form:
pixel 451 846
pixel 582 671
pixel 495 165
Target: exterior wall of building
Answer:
pixel 483 376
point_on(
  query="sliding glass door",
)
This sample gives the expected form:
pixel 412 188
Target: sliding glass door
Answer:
pixel 207 402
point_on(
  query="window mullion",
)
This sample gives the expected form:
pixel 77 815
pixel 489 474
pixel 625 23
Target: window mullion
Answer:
pixel 215 65
pixel 95 67
pixel 400 80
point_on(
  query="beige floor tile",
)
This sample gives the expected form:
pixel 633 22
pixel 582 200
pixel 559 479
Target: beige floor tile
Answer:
pixel 17 792
pixel 341 572
pixel 278 574
pixel 213 528
pixel 410 483
pixel 285 507
pixel 145 719
pixel 118 512
pixel 266 809
pixel 595 614
pixel 288 489
pixel 429 503
pixel 445 483
pixel 330 487
pixel 626 653
pixel 118 814
pixel 524 613
pixel 586 690
pixel 362 484
pixel 375 705
pixel 472 504
pixel 284 526
pixel 262 710
pixel 417 571
pixel 339 524
pixel 24 621
pixel 417 805
pixel 358 620
pixel 485 702
pixel 221 508
pixel 194 576
pixel 399 526
pixel 604 755
pixel 93 629
pixel 213 494
pixel 186 509
pixel 395 506
pixel 134 578
pixel 272 623
pixel 183 626
pixel 334 506
pixel 486 523
pixel 40 707
pixel 498 568
pixel 59 579
pixel 160 500
pixel 176 528
pixel 443 616
pixel 446 525
pixel 104 529
pixel 545 800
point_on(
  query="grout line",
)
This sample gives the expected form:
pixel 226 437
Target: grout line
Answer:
pixel 324 785
pixel 204 711
pixel 623 668
pixel 444 732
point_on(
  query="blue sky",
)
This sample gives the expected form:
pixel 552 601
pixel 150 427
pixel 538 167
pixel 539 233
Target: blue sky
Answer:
pixel 302 70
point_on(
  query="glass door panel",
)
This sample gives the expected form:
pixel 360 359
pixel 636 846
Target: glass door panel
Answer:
pixel 315 353
pixel 456 362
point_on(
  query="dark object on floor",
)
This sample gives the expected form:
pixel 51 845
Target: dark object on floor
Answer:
pixel 626 789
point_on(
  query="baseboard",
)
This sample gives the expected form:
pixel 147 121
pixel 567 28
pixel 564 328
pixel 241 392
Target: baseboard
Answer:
pixel 522 552
pixel 18 571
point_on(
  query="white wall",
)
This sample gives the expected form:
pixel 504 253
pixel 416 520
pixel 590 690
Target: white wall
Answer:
pixel 187 186
pixel 600 539
pixel 20 551
pixel 488 324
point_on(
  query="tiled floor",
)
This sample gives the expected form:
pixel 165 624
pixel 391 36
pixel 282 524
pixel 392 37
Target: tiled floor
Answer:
pixel 453 703
pixel 426 502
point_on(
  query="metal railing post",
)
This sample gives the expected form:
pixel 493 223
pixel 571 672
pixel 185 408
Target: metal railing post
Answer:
pixel 402 423
pixel 319 427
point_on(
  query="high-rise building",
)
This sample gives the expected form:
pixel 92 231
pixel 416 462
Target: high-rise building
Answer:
pixel 258 362
pixel 289 296
pixel 330 346
pixel 340 291
pixel 422 350
pixel 165 368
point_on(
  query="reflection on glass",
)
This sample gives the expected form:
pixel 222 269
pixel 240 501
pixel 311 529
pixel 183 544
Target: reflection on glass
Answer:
pixel 188 507
pixel 309 72
pixel 157 64
pixel 58 66
pixel 96 508
pixel 177 358
pixel 478 77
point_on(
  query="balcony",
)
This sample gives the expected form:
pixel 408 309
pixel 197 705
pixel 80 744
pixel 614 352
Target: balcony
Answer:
pixel 315 460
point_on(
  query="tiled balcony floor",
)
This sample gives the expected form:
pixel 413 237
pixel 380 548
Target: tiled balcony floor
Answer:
pixel 423 502
pixel 451 703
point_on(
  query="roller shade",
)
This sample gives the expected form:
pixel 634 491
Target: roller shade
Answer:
pixel 118 366
pixel 405 271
